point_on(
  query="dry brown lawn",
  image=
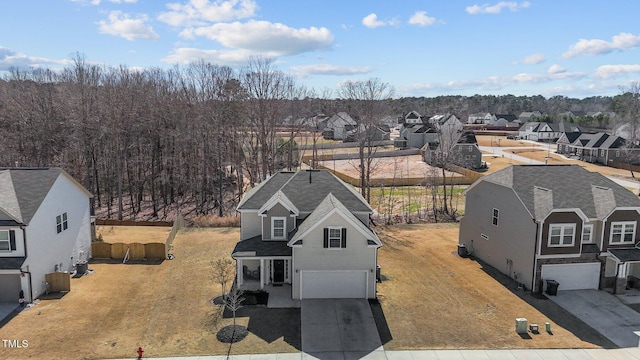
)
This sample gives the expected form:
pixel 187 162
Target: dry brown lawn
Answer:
pixel 497 162
pixel 163 308
pixel 133 234
pixel 411 166
pixel 499 141
pixel 431 298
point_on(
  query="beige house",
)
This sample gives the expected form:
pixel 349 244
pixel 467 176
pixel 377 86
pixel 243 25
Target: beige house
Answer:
pixel 311 231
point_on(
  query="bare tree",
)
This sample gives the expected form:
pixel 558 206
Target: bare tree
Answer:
pixel 223 271
pixel 367 103
pixel 233 301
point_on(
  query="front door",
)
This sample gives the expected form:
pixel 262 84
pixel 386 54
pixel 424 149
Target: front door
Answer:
pixel 278 271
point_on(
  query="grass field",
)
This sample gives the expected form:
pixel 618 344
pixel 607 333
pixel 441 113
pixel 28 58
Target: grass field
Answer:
pixel 431 299
pixel 133 234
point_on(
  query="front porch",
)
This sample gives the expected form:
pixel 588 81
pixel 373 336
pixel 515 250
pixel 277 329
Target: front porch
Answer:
pixel 257 273
pixel 622 270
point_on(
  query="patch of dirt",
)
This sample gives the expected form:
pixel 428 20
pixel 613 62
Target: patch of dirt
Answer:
pixel 400 167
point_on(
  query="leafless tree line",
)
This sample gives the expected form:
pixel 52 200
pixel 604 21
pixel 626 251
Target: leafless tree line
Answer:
pixel 156 139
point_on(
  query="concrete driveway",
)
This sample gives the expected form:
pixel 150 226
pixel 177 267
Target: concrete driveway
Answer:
pixel 604 312
pixel 6 309
pixel 339 329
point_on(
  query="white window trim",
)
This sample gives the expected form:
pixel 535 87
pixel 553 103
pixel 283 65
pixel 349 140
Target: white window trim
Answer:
pixel 624 227
pixel 8 241
pixel 590 227
pixel 339 247
pixel 495 214
pixel 284 228
pixel 562 228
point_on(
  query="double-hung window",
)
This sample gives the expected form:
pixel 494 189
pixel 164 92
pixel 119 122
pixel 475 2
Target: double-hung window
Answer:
pixel 61 223
pixel 335 238
pixel 278 227
pixel 587 233
pixel 562 235
pixel 5 245
pixel 622 232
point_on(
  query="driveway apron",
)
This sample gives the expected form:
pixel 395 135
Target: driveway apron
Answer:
pixel 603 312
pixel 344 327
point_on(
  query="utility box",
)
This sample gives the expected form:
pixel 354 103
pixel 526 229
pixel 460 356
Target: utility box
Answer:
pixel 522 325
pixel 462 250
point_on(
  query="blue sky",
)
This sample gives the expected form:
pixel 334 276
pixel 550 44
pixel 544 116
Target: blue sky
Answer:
pixel 422 48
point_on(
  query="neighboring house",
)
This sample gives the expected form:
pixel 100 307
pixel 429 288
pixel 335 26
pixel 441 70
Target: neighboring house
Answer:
pixel 373 133
pixel 481 118
pixel 626 130
pixel 602 148
pixel 527 116
pixel 338 125
pixel 45 226
pixel 542 131
pixel 310 230
pixel 412 117
pixel 506 120
pixel 415 136
pixel 563 145
pixel 446 123
pixel 461 150
pixel 536 223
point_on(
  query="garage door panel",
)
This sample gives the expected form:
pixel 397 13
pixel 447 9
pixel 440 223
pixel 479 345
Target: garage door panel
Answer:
pixel 573 276
pixel 9 288
pixel 334 284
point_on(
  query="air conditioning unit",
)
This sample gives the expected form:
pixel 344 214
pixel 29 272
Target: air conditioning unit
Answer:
pixel 521 325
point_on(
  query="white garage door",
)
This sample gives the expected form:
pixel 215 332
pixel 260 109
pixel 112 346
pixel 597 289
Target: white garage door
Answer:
pixel 572 276
pixel 333 284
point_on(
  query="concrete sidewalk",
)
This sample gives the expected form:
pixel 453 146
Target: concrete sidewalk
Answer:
pixel 516 354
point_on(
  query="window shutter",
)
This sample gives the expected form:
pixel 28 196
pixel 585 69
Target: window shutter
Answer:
pixel 326 237
pixel 344 238
pixel 12 239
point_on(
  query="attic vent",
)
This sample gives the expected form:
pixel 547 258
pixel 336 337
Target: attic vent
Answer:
pixel 541 188
pixel 601 187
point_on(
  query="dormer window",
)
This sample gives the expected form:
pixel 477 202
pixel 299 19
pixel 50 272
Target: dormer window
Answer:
pixel 278 227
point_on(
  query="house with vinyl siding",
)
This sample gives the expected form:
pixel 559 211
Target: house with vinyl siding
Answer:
pixel 45 227
pixel 309 231
pixel 554 222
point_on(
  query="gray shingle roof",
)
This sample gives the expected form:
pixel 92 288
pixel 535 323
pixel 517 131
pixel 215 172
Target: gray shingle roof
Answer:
pixel 262 248
pixel 11 263
pixel 625 255
pixel 305 189
pixel 571 186
pixel 23 189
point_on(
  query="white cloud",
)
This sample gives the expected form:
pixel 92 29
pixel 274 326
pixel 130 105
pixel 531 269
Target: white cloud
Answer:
pixel 556 69
pixel 371 21
pixel 497 8
pixel 10 58
pixel 221 57
pixel 420 18
pixel 200 12
pixel 97 2
pixel 327 69
pixel 611 71
pixel 265 37
pixel 621 41
pixel 120 24
pixel 532 59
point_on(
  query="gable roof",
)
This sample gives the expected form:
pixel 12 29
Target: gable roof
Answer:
pixel 341 119
pixel 305 190
pixel 569 186
pixel 329 205
pixel 22 190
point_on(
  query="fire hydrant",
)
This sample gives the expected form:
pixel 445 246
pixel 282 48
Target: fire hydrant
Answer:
pixel 140 352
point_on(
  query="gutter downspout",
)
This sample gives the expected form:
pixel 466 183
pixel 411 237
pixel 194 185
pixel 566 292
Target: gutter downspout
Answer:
pixel 24 242
pixel 535 258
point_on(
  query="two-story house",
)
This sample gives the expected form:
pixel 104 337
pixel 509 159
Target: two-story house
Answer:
pixel 554 222
pixel 45 226
pixel 308 230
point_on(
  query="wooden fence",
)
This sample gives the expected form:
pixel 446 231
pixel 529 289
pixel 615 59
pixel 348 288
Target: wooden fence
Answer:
pixel 137 251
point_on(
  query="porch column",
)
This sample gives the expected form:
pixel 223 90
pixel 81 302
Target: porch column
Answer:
pixel 261 274
pixel 239 273
pixel 621 279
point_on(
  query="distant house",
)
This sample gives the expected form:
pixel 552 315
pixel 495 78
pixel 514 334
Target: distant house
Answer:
pixel 45 227
pixel 527 116
pixel 446 123
pixel 542 131
pixel 307 231
pixel 460 149
pixel 536 223
pixel 415 136
pixel 338 125
pixel 373 133
pixel 627 131
pixel 601 148
pixel 481 118
pixel 506 120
